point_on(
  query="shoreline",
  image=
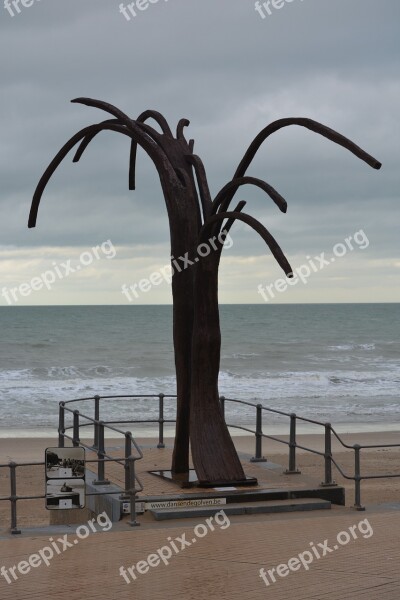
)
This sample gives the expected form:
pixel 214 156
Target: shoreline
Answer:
pixel 169 432
pixel 32 448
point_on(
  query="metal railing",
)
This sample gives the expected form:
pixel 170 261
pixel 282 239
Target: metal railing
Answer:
pixel 260 410
pixel 327 455
pixel 132 485
pixel 128 461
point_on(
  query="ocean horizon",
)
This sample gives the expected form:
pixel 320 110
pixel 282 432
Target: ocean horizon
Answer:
pixel 330 362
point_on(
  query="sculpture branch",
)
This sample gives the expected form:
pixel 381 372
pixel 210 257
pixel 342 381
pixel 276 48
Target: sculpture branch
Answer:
pixel 259 228
pixel 140 131
pixel 57 160
pixel 228 226
pixel 90 137
pixel 224 197
pixel 158 117
pixel 204 190
pixel 323 130
pixel 180 127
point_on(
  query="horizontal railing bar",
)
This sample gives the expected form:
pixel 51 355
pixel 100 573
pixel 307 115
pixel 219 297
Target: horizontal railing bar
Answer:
pixel 89 460
pixel 310 450
pixel 32 464
pixel 379 476
pixel 89 494
pixel 271 437
pixel 24 498
pixel 241 427
pixel 234 400
pixel 379 446
pixel 117 397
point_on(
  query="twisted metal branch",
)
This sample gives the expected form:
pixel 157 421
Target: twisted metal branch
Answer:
pixel 323 130
pixel 147 137
pixel 88 138
pixel 60 157
pixel 180 127
pixel 230 222
pixel 133 151
pixel 158 117
pixel 205 196
pixel 162 122
pixel 310 124
pixel 224 197
pixel 259 228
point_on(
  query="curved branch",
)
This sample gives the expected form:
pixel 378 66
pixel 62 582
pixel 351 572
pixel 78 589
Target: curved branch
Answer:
pixel 140 131
pixel 259 228
pixel 132 165
pixel 205 195
pixel 224 197
pixel 155 136
pixel 332 135
pixel 90 137
pixel 180 127
pixel 158 118
pixel 60 157
pixel 86 141
pixel 133 151
pixel 230 222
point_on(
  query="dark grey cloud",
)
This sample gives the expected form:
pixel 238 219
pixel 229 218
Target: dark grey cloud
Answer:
pixel 230 72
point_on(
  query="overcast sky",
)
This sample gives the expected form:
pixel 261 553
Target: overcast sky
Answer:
pixel 230 72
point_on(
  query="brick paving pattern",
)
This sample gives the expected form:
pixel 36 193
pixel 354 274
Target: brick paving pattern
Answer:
pixel 223 564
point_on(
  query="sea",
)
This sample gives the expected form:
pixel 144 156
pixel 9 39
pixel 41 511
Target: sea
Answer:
pixel 328 362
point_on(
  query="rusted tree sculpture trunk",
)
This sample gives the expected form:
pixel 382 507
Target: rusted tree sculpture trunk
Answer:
pixel 194 219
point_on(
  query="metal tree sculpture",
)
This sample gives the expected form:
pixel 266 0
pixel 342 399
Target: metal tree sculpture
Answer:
pixel 193 218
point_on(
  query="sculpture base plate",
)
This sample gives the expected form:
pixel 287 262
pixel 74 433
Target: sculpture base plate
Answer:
pixel 189 480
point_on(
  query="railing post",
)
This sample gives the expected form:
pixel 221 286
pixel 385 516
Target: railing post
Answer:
pixel 75 437
pixel 101 480
pixel 328 457
pixel 128 453
pixel 292 470
pixel 259 434
pixel 161 421
pixel 222 404
pixel 13 497
pixel 357 478
pixel 61 425
pixel 132 491
pixel 96 418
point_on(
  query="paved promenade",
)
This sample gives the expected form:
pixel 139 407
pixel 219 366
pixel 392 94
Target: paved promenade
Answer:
pixel 225 563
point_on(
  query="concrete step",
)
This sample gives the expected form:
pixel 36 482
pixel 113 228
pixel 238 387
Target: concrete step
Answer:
pixel 250 508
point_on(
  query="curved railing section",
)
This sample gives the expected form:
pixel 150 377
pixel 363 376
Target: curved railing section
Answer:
pixel 80 421
pixel 260 410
